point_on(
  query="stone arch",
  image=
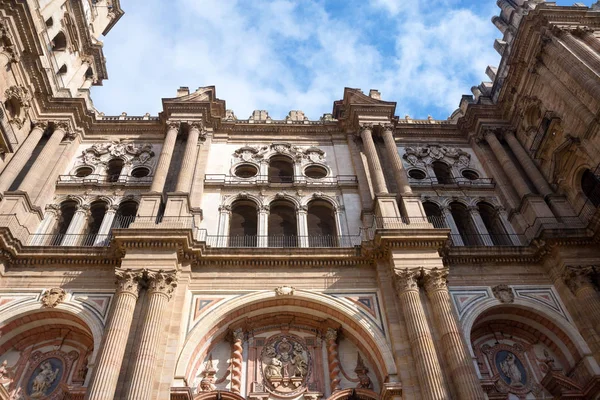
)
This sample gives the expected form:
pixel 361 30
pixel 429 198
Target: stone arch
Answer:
pixel 462 218
pixel 75 311
pixel 434 213
pixel 281 168
pixel 319 196
pixel 560 322
pixel 354 394
pixel 243 223
pixel 214 324
pixel 283 196
pixel 243 196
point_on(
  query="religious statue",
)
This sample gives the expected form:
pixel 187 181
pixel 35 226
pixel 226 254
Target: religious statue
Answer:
pixel 43 380
pixel 299 361
pixel 510 368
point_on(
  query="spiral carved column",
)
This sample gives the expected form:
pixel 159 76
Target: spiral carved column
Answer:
pixel 237 359
pixel 161 285
pixel 421 342
pixel 104 383
pixel 332 359
pixel 456 353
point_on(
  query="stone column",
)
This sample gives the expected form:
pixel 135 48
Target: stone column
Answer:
pixel 426 362
pixel 223 229
pixel 507 165
pixel 38 171
pixel 333 361
pixel 581 49
pixel 161 285
pixel 484 235
pixel 400 175
pixel 186 172
pixel 579 280
pixel 108 365
pixel 237 359
pixel 375 169
pixel 46 193
pixel 449 219
pixel 508 228
pixel 164 161
pixel 457 356
pixel 587 35
pixel 341 226
pixel 105 228
pixel 530 168
pixel 45 228
pixel 302 226
pixel 263 226
pixel 74 233
pixel 18 161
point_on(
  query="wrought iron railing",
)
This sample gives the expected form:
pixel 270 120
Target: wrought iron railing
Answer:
pixel 280 241
pixel 462 182
pixel 103 179
pixel 262 179
pixel 490 239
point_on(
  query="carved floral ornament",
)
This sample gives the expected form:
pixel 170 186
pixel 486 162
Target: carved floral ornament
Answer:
pixel 421 156
pixel 303 155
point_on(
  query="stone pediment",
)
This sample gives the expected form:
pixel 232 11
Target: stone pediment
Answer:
pixel 202 94
pixel 202 101
pixel 356 102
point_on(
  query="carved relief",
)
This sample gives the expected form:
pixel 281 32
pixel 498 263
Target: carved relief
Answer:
pixel 45 374
pixel 364 382
pixel 284 291
pixel 207 384
pixel 17 102
pixel 301 155
pixel 134 154
pixel 504 294
pixel 53 297
pixel 285 364
pixel 421 156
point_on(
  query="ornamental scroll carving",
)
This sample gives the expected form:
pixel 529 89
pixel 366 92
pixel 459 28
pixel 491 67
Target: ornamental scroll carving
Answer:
pixel 133 154
pixel 286 365
pixel 53 297
pixel 303 155
pixel 504 294
pixel 17 102
pixel 422 156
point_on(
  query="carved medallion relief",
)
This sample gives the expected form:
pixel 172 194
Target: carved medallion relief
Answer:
pixel 285 365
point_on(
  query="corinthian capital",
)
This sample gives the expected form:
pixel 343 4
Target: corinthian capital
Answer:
pixel 435 279
pixel 162 282
pixel 62 125
pixel 128 281
pixel 578 277
pixel 173 125
pixel 365 127
pixel 406 279
pixel 43 125
pixel 331 334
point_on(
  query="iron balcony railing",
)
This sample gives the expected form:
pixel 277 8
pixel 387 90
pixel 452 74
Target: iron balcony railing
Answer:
pixel 223 179
pixel 66 239
pixel 461 182
pixel 280 241
pixel 97 179
pixel 491 239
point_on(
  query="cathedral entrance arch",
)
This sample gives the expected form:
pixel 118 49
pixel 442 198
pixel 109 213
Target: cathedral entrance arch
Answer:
pixel 285 344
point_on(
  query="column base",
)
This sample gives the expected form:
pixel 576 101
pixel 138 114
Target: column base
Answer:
pixel 150 204
pixel 561 207
pixel 178 205
pixel 412 207
pixel 386 206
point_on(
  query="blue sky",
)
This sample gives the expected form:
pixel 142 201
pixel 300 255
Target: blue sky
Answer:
pixel 281 55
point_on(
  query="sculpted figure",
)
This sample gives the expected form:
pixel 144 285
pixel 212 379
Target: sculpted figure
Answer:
pixel 299 361
pixel 274 368
pixel 44 379
pixel 511 370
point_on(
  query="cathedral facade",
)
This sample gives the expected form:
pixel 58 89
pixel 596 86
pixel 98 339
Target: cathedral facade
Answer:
pixel 198 255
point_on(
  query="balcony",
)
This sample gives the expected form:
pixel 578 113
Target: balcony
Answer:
pixel 301 180
pixel 479 183
pixel 103 180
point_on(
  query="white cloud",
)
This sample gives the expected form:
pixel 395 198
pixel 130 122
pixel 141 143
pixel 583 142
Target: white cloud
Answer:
pixel 281 55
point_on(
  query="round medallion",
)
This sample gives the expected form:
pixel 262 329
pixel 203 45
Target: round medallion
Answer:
pixel 285 365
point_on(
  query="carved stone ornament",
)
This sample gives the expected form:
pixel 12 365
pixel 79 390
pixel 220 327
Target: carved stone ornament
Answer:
pixel 53 297
pixel 284 291
pixel 299 154
pixel 129 281
pixel 406 279
pixel 364 382
pixel 504 294
pixel 133 154
pixel 435 279
pixel 285 364
pixel 421 156
pixel 331 334
pixel 17 102
pixel 207 383
pixel 7 43
pixel 162 282
pixel 230 115
pixel 578 277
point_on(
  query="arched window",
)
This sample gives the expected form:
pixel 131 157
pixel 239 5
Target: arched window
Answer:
pixel 59 43
pixel 590 185
pixel 63 69
pixel 434 214
pixel 283 228
pixel 466 228
pixel 113 170
pixel 243 224
pixel 321 224
pixel 125 214
pixel 281 170
pixel 493 224
pixel 67 211
pixel 442 172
